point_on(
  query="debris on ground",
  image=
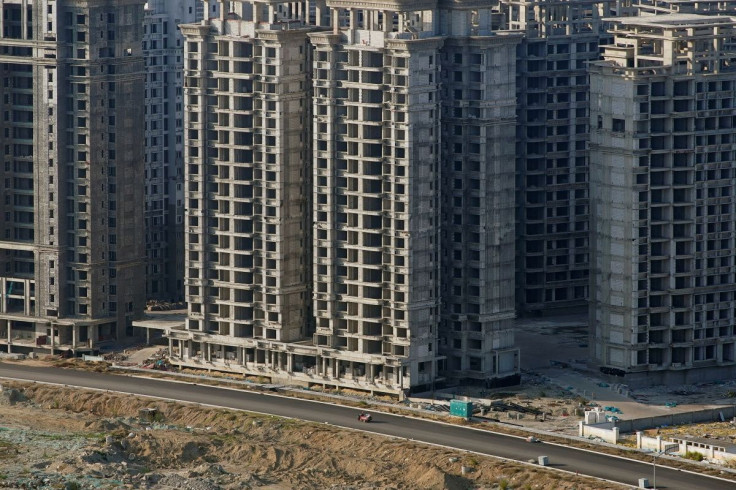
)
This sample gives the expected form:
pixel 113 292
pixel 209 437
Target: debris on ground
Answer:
pixel 55 437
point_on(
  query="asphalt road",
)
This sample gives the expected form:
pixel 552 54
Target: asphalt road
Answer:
pixel 562 457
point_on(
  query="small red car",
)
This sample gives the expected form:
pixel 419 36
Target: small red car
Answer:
pixel 364 417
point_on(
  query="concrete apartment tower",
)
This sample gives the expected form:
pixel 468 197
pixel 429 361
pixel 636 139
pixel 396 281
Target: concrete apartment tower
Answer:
pixel 318 141
pixel 412 118
pixel 552 212
pixel 71 222
pixel 476 161
pixel 247 223
pixel 163 52
pixel 663 292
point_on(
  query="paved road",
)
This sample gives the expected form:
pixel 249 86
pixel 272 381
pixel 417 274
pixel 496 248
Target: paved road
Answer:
pixel 562 457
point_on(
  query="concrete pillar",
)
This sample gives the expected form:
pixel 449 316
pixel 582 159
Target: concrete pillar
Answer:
pixel 3 289
pixel 257 10
pixel 171 346
pixel 351 19
pixel 24 19
pixel 335 13
pixel 615 435
pixel 289 362
pixel 53 339
pixel 638 439
pixel 223 9
pixel 305 11
pixel 27 297
pixel 92 335
pixel 581 429
pixel 2 20
pixel 271 14
pixel 206 10
pixel 10 334
pixel 148 336
pixel 659 443
pixel 75 336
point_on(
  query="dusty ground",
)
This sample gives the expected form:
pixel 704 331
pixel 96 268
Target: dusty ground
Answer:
pixel 52 437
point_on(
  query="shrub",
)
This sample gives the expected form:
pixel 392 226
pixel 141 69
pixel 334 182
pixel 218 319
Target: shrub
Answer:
pixel 695 456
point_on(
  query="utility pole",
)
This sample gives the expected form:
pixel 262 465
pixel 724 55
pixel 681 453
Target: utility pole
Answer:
pixel 667 449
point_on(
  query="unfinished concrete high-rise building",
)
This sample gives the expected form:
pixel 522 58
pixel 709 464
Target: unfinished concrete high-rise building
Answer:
pixel 413 190
pixel 477 166
pixel 663 291
pixel 561 38
pixel 71 220
pixel 163 52
pixel 246 190
pixel 342 161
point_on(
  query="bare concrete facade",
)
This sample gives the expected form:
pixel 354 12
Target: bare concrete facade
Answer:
pixel 315 164
pixel 478 92
pixel 71 269
pixel 552 213
pixel 662 166
pixel 163 52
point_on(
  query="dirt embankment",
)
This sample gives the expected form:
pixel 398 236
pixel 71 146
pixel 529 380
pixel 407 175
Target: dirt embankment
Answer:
pixel 53 437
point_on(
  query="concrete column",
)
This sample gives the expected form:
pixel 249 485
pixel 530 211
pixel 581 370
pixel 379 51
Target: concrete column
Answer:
pixel 581 429
pixel 2 20
pixel 3 286
pixel 92 335
pixel 257 9
pixel 27 297
pixel 638 439
pixel 171 347
pixel 10 335
pixel 53 339
pixel 335 13
pixel 24 19
pixel 290 362
pixel 223 9
pixel 388 21
pixel 305 11
pixel 75 336
pixel 271 14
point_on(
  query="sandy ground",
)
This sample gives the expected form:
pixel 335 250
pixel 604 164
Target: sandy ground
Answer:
pixel 52 437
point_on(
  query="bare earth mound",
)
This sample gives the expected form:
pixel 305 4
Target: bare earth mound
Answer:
pixel 53 437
